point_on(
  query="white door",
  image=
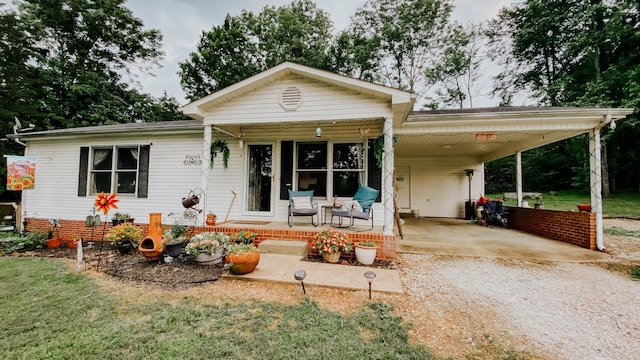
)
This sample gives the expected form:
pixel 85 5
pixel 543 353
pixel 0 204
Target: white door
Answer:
pixel 403 187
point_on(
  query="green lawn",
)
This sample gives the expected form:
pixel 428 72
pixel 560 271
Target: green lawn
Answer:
pixel 622 203
pixel 47 312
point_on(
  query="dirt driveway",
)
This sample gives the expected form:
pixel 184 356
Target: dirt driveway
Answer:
pixel 480 307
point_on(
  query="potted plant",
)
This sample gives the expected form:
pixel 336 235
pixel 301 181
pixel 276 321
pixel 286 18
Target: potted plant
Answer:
pixel 124 237
pixel 243 236
pixel 366 252
pixel 121 218
pixel 73 243
pixel 330 244
pixel 53 242
pixel 175 239
pixel 207 248
pixel 242 258
pixel 220 146
pixel 211 218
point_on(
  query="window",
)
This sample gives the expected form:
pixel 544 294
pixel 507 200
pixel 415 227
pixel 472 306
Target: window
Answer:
pixel 344 173
pixel 114 169
pixel 312 167
pixel 348 168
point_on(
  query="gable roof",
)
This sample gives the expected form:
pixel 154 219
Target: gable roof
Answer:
pixel 401 101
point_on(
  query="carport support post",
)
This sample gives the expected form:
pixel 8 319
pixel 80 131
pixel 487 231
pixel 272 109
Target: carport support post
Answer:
pixel 595 180
pixel 519 178
pixel 206 160
pixel 388 165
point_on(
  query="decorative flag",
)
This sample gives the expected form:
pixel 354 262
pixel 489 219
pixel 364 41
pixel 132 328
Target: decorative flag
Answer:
pixel 21 172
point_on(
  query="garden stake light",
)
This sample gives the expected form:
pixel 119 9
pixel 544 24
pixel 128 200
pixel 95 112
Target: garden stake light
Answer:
pixel 370 275
pixel 300 275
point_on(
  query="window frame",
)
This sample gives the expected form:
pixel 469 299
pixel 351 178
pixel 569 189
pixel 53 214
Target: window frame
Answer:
pixel 113 170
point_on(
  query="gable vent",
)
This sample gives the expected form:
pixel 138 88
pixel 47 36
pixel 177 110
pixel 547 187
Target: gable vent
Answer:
pixel 291 98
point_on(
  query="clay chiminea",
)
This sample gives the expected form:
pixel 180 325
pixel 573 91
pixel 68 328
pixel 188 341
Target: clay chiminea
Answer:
pixel 152 246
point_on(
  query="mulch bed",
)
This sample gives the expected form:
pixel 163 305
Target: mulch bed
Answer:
pixel 181 271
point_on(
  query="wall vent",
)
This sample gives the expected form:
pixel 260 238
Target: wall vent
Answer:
pixel 291 98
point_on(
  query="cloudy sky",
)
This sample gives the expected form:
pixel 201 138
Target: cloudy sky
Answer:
pixel 183 21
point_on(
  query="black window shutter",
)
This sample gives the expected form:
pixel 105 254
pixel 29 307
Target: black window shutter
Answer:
pixel 286 169
pixel 83 171
pixel 143 172
pixel 374 177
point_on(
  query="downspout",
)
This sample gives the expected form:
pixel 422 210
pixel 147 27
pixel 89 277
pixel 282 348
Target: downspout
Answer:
pixel 388 165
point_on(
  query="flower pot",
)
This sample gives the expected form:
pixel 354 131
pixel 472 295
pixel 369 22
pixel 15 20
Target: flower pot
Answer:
pixel 174 249
pixel 213 259
pixel 242 263
pixel 584 207
pixel 333 257
pixel 72 244
pixel 123 247
pixel 365 255
pixel 53 243
pixel 211 220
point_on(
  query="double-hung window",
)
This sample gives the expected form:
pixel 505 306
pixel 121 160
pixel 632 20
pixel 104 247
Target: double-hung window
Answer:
pixel 348 168
pixel 114 169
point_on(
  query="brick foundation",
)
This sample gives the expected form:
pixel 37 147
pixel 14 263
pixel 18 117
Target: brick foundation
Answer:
pixel 71 229
pixel 578 228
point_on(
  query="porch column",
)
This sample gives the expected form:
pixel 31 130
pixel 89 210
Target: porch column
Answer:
pixel 519 177
pixel 206 159
pixel 387 173
pixel 595 182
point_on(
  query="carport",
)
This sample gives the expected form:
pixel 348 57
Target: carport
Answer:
pixel 457 237
pixel 458 142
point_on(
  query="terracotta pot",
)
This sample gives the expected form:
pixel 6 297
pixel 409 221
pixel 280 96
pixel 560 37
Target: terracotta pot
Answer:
pixel 242 263
pixel 331 257
pixel 584 207
pixel 72 244
pixel 211 220
pixel 53 243
pixel 365 255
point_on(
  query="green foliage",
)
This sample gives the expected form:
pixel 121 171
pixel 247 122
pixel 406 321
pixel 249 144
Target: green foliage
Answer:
pixel 240 248
pixel 71 64
pixel 248 43
pixel 16 242
pixel 220 146
pixel 46 293
pixel 635 272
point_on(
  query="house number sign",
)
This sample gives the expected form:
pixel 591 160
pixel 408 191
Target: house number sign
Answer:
pixel 192 160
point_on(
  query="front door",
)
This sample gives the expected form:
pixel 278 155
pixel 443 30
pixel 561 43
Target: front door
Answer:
pixel 259 179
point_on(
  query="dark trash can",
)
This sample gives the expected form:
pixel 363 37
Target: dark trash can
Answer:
pixel 469 210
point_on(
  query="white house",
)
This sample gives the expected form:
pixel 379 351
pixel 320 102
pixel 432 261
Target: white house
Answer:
pixel 295 127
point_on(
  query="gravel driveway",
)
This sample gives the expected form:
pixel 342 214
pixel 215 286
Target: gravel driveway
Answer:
pixel 546 310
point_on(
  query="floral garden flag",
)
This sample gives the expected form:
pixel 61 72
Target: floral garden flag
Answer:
pixel 21 172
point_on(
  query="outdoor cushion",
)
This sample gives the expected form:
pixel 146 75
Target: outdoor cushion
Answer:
pixel 302 202
pixel 366 196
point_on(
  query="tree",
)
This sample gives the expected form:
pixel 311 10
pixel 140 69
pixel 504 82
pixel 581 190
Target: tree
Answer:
pixel 402 36
pixel 458 71
pixel 248 44
pixel 84 52
pixel 574 52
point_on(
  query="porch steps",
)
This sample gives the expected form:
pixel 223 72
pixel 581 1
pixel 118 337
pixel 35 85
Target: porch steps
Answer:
pixel 284 247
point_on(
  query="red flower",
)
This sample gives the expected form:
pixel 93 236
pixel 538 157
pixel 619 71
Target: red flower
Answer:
pixel 105 202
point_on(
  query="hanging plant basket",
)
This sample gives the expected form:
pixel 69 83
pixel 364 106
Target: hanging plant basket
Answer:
pixel 220 146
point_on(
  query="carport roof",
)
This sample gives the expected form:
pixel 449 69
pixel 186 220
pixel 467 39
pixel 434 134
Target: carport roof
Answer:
pixel 491 133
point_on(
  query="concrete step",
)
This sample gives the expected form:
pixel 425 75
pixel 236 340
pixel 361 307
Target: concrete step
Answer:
pixel 284 247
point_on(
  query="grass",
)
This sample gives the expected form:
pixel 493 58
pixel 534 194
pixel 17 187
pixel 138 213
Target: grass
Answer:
pixel 620 204
pixel 46 312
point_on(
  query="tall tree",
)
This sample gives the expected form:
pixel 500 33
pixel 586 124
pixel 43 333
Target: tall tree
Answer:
pixel 84 51
pixel 247 44
pixel 576 52
pixel 403 36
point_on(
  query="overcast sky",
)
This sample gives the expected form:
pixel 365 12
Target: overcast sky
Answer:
pixel 183 21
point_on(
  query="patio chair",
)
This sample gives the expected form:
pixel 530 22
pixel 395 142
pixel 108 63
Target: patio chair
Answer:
pixel 360 208
pixel 301 204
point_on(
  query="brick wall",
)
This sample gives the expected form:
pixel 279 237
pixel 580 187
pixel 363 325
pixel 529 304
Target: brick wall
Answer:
pixel 71 229
pixel 578 228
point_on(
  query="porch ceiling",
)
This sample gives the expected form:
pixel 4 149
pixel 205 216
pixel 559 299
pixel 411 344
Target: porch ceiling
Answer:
pixel 491 133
